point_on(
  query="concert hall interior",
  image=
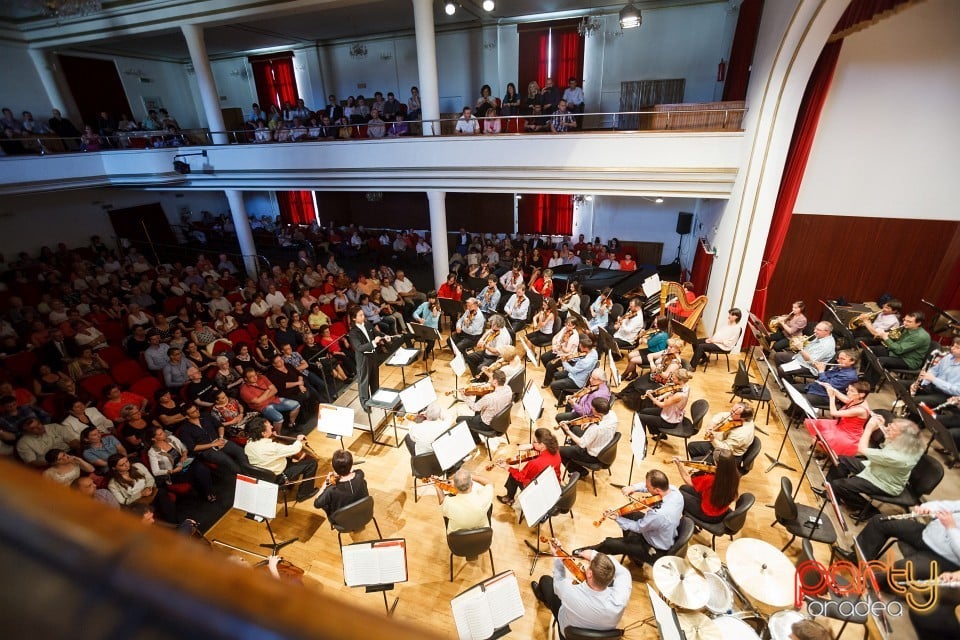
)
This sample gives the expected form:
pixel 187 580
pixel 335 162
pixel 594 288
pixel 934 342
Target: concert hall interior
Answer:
pixel 330 340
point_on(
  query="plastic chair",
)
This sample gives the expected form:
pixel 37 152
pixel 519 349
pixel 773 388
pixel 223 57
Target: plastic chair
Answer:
pixel 605 459
pixel 498 427
pixel 469 544
pixel 750 456
pixel 813 581
pixel 353 517
pixel 689 427
pixel 731 524
pixel 926 475
pixel 800 520
pixel 422 465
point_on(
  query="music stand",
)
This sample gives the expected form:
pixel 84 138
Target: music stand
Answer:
pixel 423 333
pixel 403 358
pixel 873 362
pixel 606 345
pixel 258 500
pixel 839 326
pixel 801 402
pixel 638 448
pixel 377 566
pixel 537 501
pixel 902 393
pixel 337 423
pixel 685 333
pixel 459 367
pixel 828 488
pixel 760 335
pixel 452 308
pixel 940 433
pixel 817 438
pixel 532 405
pixel 388 401
pixel 664 617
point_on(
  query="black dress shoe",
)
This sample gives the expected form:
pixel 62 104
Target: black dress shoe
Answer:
pixel 307 496
pixel 535 587
pixel 844 554
pixel 819 492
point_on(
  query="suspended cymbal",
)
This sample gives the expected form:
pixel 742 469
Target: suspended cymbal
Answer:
pixel 703 558
pixel 762 571
pixel 697 626
pixel 680 584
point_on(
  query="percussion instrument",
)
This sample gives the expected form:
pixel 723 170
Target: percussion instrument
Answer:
pixel 703 558
pixel 778 626
pixel 731 627
pixel 697 626
pixel 721 595
pixel 762 571
pixel 680 583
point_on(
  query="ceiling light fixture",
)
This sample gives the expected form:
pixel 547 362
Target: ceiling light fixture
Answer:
pixel 659 200
pixel 450 8
pixel 630 17
pixel 488 5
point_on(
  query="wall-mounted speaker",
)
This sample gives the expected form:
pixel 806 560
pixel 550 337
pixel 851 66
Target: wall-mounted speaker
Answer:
pixel 684 223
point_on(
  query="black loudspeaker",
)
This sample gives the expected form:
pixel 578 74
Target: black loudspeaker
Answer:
pixel 684 223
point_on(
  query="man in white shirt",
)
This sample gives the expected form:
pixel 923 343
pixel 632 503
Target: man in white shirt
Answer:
pixel 821 348
pixel 722 341
pixel 286 459
pixel 512 279
pixel 596 603
pixel 517 308
pixel 629 325
pixel 407 290
pixel 423 434
pixel 274 298
pixel 487 407
pixel 585 447
pixel 467 124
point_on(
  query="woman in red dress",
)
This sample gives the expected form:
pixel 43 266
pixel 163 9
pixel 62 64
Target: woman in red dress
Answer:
pixel 842 432
pixel 707 496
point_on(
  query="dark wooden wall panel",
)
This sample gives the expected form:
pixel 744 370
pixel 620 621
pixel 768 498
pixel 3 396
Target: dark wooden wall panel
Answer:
pixel 477 212
pixel 860 259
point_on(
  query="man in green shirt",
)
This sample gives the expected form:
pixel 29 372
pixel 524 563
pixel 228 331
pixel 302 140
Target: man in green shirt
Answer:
pixel 908 351
pixel 885 470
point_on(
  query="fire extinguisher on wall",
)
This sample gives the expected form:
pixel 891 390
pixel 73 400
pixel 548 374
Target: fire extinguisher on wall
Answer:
pixel 722 70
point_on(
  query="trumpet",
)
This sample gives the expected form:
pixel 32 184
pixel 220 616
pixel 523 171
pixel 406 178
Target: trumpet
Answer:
pixel 859 320
pixel 799 343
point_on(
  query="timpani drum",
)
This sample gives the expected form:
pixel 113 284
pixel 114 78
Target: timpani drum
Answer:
pixel 734 628
pixel 780 623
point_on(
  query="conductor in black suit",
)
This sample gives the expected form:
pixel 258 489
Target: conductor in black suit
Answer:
pixel 364 338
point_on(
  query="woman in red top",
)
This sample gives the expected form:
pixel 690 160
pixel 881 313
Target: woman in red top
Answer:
pixel 708 496
pixel 628 263
pixel 545 443
pixel 843 429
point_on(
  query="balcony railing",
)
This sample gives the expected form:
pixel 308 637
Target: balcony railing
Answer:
pixel 673 118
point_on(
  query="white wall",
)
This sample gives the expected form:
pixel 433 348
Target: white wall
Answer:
pixel 20 86
pixel 895 93
pixel 638 219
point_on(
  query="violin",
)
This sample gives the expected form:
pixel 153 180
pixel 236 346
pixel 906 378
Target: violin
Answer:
pixel 728 424
pixel 635 505
pixel 665 390
pixel 307 450
pixel 520 458
pixel 479 390
pixel 444 485
pixel 698 466
pixel 664 365
pixel 582 421
pixel 590 388
pixel 482 342
pixel 571 565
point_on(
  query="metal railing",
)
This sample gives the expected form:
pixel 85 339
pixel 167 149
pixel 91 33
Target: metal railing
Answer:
pixel 713 120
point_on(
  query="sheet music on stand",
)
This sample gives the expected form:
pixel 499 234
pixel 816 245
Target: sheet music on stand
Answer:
pixel 453 445
pixel 418 396
pixel 458 364
pixel 532 402
pixel 531 356
pixel 540 496
pixel 378 562
pixel 772 368
pixel 836 506
pixel 402 357
pixel 614 372
pixel 485 610
pixel 826 445
pixel 255 496
pixel 651 286
pixel 665 616
pixel 800 401
pixel 335 421
pixel 386 396
pixel 638 438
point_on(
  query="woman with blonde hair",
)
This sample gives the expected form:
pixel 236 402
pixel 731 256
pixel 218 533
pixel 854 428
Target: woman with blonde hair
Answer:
pixel 668 408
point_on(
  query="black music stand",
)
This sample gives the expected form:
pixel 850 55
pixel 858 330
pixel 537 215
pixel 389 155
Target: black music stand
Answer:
pixel 839 326
pixel 605 345
pixel 874 363
pixel 423 333
pixel 452 308
pixel 389 407
pixel 952 322
pixel 801 402
pixel 817 438
pixel 940 433
pixel 685 333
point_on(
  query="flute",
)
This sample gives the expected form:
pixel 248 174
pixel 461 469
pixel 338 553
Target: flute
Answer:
pixel 938 582
pixel 916 516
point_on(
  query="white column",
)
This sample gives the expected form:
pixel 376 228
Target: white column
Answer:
pixel 427 66
pixel 244 233
pixel 208 88
pixel 438 235
pixel 50 85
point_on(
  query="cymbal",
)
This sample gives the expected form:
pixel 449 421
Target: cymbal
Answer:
pixel 762 571
pixel 703 558
pixel 697 626
pixel 680 584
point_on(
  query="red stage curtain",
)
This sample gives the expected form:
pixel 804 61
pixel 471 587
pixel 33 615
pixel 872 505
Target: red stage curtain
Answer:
pixel 702 265
pixel 567 56
pixel 546 213
pixel 274 78
pixel 803 134
pixel 860 14
pixel 296 207
pixel 741 53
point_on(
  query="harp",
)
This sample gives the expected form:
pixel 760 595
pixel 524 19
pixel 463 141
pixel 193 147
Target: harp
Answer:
pixel 674 305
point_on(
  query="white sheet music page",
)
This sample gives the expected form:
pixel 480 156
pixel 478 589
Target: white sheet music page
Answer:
pixel 533 402
pixel 503 596
pixel 453 445
pixel 258 497
pixel 392 555
pixel 459 365
pixel 360 565
pixel 638 438
pixel 386 396
pixel 401 356
pixel 418 396
pixel 335 420
pixel 539 496
pixel 471 613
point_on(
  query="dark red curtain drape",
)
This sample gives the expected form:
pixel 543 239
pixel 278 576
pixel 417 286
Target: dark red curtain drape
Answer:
pixel 274 80
pixel 549 48
pixel 804 133
pixel 860 14
pixel 548 213
pixel 741 53
pixel 296 207
pixel 702 265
